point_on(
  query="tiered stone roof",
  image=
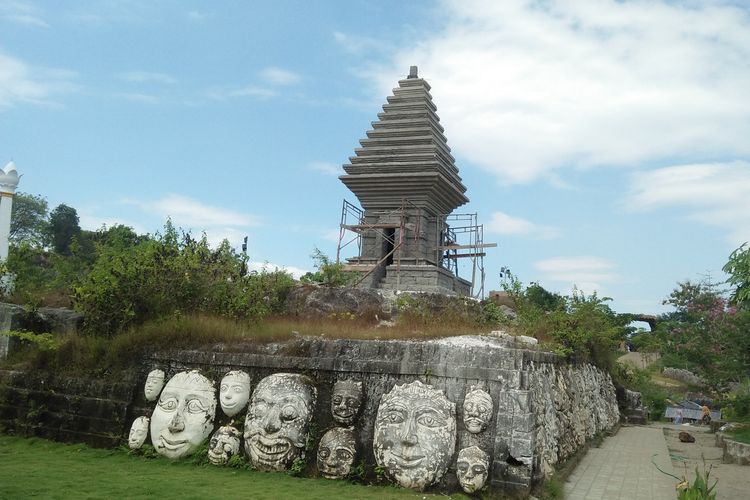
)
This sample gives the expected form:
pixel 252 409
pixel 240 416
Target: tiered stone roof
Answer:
pixel 406 155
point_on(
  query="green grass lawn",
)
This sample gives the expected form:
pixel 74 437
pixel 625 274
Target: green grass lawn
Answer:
pixel 742 435
pixel 44 469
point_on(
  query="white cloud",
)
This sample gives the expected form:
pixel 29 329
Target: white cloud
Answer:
pixel 526 88
pixel 222 94
pixel 716 194
pixel 192 215
pixel 198 16
pixel 279 76
pixel 502 223
pixel 586 273
pixel 355 44
pixel 20 82
pixel 268 266
pixel 147 76
pixel 325 168
pixel 22 13
pixel 186 211
pixel 139 97
pixel 93 222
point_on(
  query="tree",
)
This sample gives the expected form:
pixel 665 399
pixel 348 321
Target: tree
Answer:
pixel 738 269
pixel 63 228
pixel 28 220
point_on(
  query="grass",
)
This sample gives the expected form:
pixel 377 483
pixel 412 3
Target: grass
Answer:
pixel 38 468
pixel 92 354
pixel 742 435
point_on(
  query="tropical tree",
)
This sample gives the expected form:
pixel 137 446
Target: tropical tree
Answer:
pixel 63 228
pixel 28 220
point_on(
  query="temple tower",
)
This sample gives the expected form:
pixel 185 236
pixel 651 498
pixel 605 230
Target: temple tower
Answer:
pixel 407 183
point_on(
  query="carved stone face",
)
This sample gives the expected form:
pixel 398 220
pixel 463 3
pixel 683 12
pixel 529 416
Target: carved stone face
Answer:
pixel 184 416
pixel 477 410
pixel 336 453
pixel 234 392
pixel 346 401
pixel 154 383
pixel 471 468
pixel 138 433
pixel 277 420
pixel 415 434
pixel 224 444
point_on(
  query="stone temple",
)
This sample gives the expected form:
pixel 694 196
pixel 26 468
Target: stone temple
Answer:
pixel 407 184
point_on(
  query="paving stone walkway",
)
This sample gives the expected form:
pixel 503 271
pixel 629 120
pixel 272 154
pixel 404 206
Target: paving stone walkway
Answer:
pixel 621 468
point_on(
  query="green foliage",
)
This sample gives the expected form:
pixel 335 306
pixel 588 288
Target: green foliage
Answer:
pixel 577 326
pixel 28 221
pixel 738 269
pixel 699 490
pixel 298 467
pixel 63 227
pixel 328 273
pixel 170 274
pixel 43 341
pixel 705 335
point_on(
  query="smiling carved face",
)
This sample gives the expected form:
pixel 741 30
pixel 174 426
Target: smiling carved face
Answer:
pixel 138 433
pixel 184 415
pixel 234 392
pixel 415 435
pixel 277 420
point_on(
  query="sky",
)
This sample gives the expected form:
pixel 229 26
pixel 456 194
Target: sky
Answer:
pixel 605 145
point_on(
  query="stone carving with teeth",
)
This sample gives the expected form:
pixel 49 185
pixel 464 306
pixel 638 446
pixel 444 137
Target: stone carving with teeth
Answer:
pixel 154 383
pixel 477 410
pixel 138 433
pixel 234 392
pixel 277 420
pixel 336 453
pixel 346 401
pixel 471 468
pixel 415 434
pixel 224 444
pixel 184 416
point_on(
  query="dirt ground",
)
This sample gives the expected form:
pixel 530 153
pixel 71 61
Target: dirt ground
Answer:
pixel 638 359
pixel 734 480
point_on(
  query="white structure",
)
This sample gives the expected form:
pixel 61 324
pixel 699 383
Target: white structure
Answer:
pixel 8 183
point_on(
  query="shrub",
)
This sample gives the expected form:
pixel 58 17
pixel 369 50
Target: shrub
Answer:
pixel 172 274
pixel 328 273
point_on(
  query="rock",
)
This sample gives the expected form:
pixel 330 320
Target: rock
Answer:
pixel 683 376
pixel 686 437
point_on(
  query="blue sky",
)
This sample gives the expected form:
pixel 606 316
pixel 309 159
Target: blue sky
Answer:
pixel 604 144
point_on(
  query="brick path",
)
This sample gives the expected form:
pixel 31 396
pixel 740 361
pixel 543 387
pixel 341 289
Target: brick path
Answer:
pixel 622 468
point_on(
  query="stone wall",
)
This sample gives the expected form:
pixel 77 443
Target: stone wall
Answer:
pixel 68 409
pixel 544 409
pixel 54 320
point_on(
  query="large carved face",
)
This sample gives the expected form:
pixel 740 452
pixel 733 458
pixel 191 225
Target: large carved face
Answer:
pixel 415 434
pixel 184 416
pixel 346 401
pixel 336 453
pixel 472 468
pixel 234 392
pixel 154 383
pixel 138 433
pixel 224 444
pixel 477 410
pixel 277 420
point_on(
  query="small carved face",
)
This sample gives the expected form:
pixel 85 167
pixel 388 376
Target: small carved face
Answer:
pixel 224 444
pixel 184 416
pixel 346 401
pixel 138 433
pixel 336 453
pixel 472 469
pixel 277 420
pixel 477 411
pixel 415 434
pixel 154 383
pixel 234 392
